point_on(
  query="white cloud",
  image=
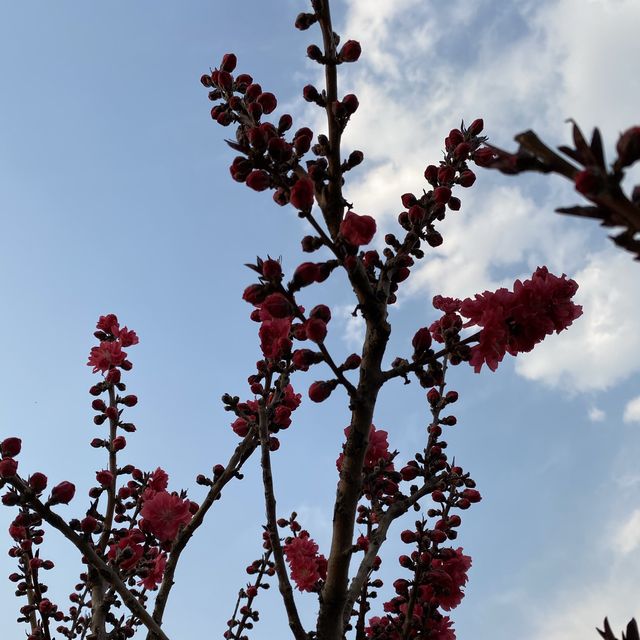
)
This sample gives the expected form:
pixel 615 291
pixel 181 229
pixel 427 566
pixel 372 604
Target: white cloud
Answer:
pixel 628 534
pixel 414 88
pixel 632 411
pixel 596 415
pixel 353 327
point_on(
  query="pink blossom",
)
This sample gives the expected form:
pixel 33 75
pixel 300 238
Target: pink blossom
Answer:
pixel 514 322
pixel 164 514
pixel 307 566
pixel 106 356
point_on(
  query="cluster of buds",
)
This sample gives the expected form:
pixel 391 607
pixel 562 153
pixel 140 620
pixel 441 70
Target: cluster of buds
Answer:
pixel 245 614
pixel 270 156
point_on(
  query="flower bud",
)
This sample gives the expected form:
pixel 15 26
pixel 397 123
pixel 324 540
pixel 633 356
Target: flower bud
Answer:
pixel 305 20
pixel 467 178
pixel 62 493
pixel 302 194
pixel 421 340
pixel 11 447
pixel 316 329
pixel 321 390
pixel 441 195
pixel 267 101
pixel 119 443
pixel 628 147
pixel 258 180
pixel 476 127
pixel 8 467
pixel 229 62
pixel 350 51
pixel 38 482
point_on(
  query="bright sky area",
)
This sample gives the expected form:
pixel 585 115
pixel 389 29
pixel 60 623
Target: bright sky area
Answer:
pixel 115 196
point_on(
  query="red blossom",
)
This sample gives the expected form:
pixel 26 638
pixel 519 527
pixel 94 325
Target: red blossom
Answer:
pixel 11 447
pixel 155 573
pixel 106 356
pixel 164 514
pixel 514 322
pixel 307 566
pixel 131 545
pixel 108 324
pixel 274 337
pixel 128 337
pixel 356 229
pixel 302 194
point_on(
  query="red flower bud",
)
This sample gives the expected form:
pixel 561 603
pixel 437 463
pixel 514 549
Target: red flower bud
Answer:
pixel 352 362
pixel 305 20
pixel 356 229
pixel 484 157
pixel 8 467
pixel 461 152
pixel 438 536
pixel 441 195
pixel 467 178
pixel 437 496
pixel 455 137
pixel 446 175
pixel 267 101
pixel 454 204
pixel 229 62
pixel 255 294
pixel 89 524
pixel 408 536
pixel 472 495
pixel 321 390
pixel 451 397
pixel 350 51
pixel 104 478
pixel 129 401
pixel 11 447
pixel 409 473
pixel 119 443
pixel 62 493
pixel 476 127
pixel 271 269
pixel 305 274
pixel 304 358
pixel 628 146
pixel 38 482
pixel 350 103
pixel 310 94
pixel 277 306
pixel 431 174
pixel 316 329
pixel 408 200
pixel 421 340
pixel 258 180
pixel 302 194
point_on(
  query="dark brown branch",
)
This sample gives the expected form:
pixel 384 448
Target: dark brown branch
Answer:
pixel 241 454
pixel 93 559
pixel 272 527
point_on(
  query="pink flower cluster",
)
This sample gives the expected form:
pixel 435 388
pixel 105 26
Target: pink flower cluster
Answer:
pixel 109 353
pixel 306 564
pixel 512 321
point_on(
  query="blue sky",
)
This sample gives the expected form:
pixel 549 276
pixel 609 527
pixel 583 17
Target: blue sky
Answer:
pixel 115 197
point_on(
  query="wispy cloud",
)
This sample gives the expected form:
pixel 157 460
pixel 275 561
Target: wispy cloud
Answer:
pixel 632 410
